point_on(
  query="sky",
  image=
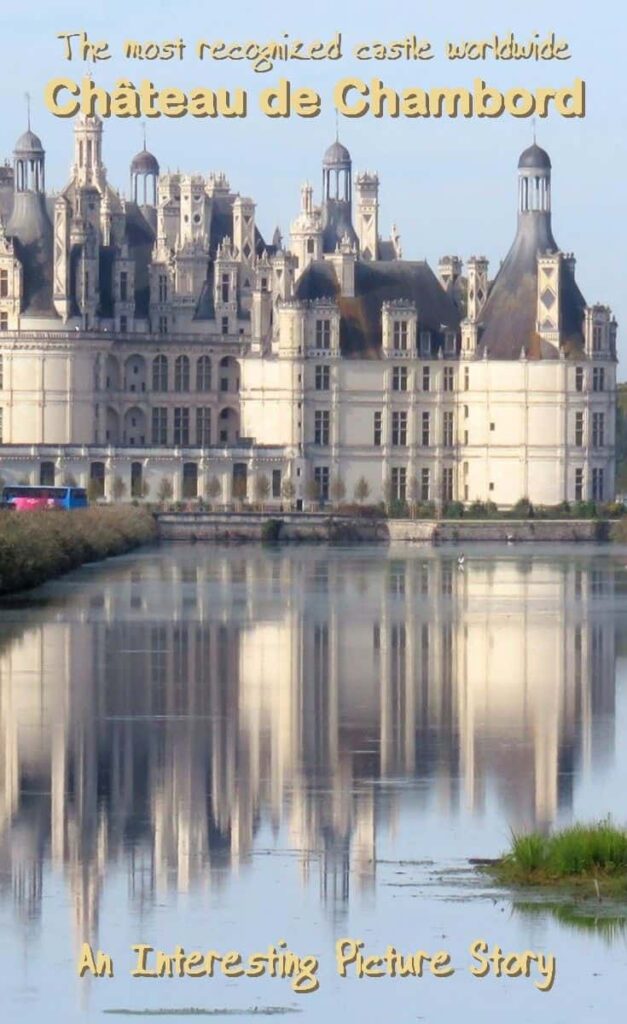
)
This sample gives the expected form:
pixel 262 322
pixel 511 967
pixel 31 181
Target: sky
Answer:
pixel 448 184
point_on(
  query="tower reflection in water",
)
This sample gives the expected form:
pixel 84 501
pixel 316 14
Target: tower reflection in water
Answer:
pixel 159 712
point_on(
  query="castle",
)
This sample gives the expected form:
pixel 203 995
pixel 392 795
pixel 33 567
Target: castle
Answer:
pixel 159 345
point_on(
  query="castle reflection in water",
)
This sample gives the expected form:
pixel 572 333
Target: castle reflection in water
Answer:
pixel 160 711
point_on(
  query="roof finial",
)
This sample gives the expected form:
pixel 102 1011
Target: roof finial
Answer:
pixel 27 98
pixel 533 122
pixel 144 132
pixel 337 125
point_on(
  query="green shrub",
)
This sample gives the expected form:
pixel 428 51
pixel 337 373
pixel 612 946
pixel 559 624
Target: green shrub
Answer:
pixel 398 509
pixel 584 510
pixel 271 530
pixel 454 510
pixel 523 509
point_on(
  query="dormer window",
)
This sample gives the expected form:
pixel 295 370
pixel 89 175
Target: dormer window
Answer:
pixel 4 284
pixel 425 343
pixel 449 343
pixel 310 246
pixel 400 335
pixel 597 338
pixel 225 287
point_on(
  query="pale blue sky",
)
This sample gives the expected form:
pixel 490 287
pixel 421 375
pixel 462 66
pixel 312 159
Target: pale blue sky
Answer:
pixel 449 185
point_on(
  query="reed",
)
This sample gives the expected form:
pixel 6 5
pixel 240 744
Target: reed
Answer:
pixel 37 546
pixel 595 852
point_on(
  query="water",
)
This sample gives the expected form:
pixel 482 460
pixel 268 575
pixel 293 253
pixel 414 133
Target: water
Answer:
pixel 226 748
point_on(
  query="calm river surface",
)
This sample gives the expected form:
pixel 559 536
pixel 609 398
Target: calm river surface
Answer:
pixel 223 748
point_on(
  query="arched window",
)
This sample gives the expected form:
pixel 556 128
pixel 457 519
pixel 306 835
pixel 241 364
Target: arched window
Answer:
pixel 160 373
pixel 181 373
pixel 203 374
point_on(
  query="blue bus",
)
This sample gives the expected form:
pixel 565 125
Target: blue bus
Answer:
pixel 24 498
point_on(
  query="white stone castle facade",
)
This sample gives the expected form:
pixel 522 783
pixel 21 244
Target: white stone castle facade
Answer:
pixel 160 337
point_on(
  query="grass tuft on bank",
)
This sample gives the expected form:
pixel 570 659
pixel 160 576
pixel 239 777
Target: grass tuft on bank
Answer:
pixel 575 855
pixel 37 546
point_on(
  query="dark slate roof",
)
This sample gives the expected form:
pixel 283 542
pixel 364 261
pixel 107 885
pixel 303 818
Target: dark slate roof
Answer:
pixel 30 227
pixel 144 163
pixel 336 155
pixel 375 283
pixel 508 319
pixel 140 237
pixel 535 156
pixel 28 144
pixel 222 226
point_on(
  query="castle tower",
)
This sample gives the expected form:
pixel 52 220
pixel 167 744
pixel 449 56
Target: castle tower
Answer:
pixel 368 214
pixel 144 177
pixel 306 230
pixel 337 197
pixel 29 162
pixel 88 166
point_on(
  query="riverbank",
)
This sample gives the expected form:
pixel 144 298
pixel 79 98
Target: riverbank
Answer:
pixel 37 546
pixel 583 859
pixel 316 526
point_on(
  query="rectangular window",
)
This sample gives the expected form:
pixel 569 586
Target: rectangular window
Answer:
pixel 598 429
pixel 399 429
pixel 426 429
pixel 425 485
pixel 597 485
pixel 4 284
pixel 400 335
pixel 160 426
pixel 466 378
pixel 426 378
pixel 323 334
pixel 597 338
pixel 276 483
pixel 203 426
pixel 399 378
pixel 449 343
pixel 321 426
pixel 124 286
pixel 447 484
pixel 447 430
pixel 579 429
pixel 399 483
pixel 181 426
pixel 579 484
pixel 163 325
pixel 579 378
pixel 123 324
pixel 425 343
pixel 598 378
pixel 323 378
pixel 224 291
pixel 225 325
pixel 321 478
pixel 4 321
pixel 377 429
pixel 448 378
pixel 163 287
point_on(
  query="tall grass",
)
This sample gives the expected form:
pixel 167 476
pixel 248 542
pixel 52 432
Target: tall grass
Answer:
pixel 36 546
pixel 581 850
